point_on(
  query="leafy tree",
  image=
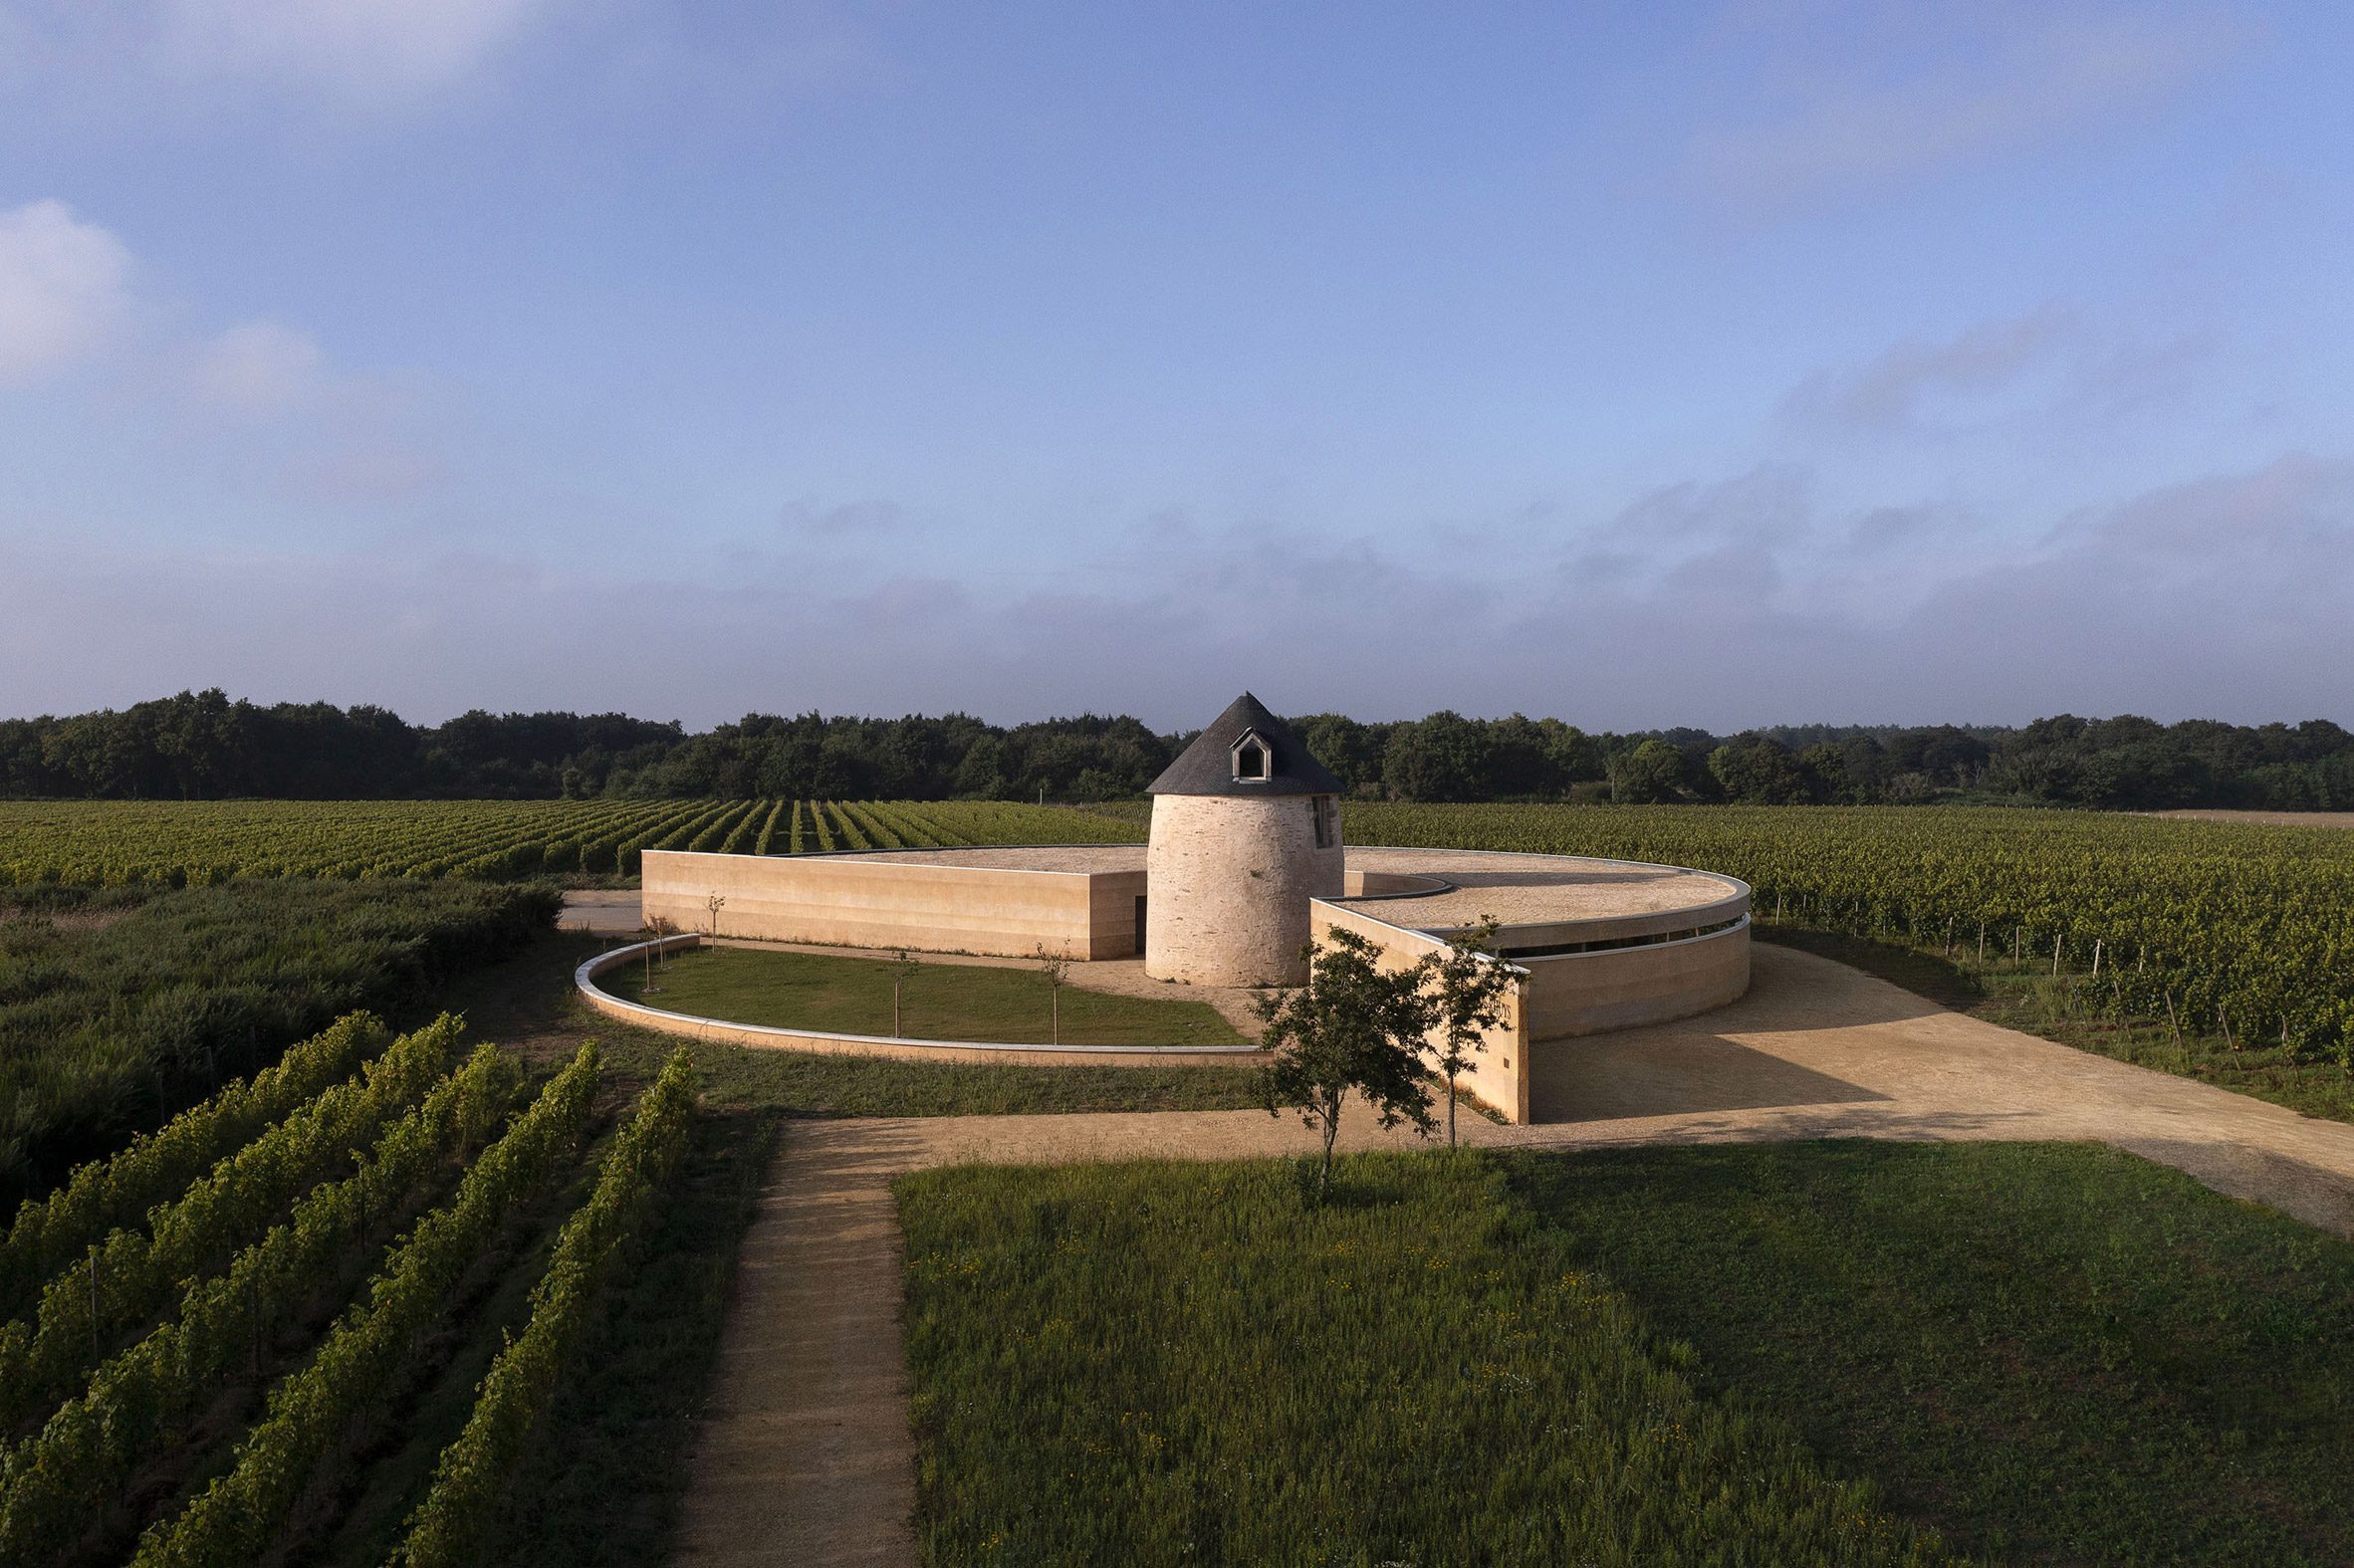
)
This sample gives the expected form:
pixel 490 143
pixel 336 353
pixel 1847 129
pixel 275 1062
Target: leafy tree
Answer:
pixel 1759 771
pixel 1441 758
pixel 1353 1027
pixel 1650 774
pixel 1469 986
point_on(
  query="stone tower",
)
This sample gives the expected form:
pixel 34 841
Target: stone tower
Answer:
pixel 1246 829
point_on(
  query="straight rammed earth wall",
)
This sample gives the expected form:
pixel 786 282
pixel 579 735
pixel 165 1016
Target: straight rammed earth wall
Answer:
pixel 1565 995
pixel 1498 1075
pixel 855 900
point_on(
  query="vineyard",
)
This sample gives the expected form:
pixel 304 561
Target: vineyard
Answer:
pixel 209 1332
pixel 2246 931
pixel 97 844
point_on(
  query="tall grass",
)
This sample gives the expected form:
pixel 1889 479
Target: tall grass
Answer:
pixel 107 1029
pixel 1163 1363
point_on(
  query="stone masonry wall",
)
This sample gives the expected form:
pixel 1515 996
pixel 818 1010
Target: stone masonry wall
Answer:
pixel 1228 885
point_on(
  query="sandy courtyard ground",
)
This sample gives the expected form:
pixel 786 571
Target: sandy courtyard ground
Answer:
pixel 806 1456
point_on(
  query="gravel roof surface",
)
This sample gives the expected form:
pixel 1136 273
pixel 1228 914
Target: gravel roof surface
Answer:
pixel 1517 889
pixel 1014 857
pixel 1524 890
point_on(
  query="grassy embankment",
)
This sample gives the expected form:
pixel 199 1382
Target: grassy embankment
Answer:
pixel 1795 1353
pixel 122 1007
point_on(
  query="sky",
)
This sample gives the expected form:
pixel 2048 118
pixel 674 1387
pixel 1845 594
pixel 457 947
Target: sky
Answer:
pixel 1640 364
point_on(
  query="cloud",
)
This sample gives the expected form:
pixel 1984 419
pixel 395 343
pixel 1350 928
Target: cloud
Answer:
pixel 64 285
pixel 2224 595
pixel 2049 361
pixel 371 50
pixel 1771 503
pixel 1961 85
pixel 255 369
pixel 258 403
pixel 1890 389
pixel 850 519
pixel 364 54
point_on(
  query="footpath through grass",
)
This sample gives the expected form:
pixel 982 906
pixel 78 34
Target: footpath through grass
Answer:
pixel 938 1001
pixel 1165 1363
pixel 1809 1351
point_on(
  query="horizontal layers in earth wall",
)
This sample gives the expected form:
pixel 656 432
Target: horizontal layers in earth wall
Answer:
pixel 864 901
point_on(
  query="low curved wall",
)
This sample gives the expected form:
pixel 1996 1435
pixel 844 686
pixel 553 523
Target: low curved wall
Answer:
pixel 1569 993
pixel 824 1043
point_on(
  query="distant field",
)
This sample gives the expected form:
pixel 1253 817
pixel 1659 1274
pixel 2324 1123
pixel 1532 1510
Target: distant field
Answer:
pixel 939 1002
pixel 113 842
pixel 2241 932
pixel 2266 819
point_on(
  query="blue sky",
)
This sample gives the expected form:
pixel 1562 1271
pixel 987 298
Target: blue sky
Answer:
pixel 1768 361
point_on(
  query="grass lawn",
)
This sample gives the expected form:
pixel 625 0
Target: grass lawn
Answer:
pixel 528 1003
pixel 1805 1352
pixel 1163 1363
pixel 939 1002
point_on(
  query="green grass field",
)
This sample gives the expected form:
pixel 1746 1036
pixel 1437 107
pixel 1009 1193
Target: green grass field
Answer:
pixel 1168 1363
pixel 939 1002
pixel 1812 1352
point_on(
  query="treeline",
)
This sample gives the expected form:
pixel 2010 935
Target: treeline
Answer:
pixel 203 746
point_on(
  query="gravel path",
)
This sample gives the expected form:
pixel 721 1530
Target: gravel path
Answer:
pixel 806 1456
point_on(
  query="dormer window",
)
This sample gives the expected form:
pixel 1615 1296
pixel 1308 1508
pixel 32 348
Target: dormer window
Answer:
pixel 1251 757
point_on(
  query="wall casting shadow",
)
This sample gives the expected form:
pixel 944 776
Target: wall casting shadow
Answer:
pixel 1677 1077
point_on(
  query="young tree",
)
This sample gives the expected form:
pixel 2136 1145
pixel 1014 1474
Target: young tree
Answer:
pixel 1469 984
pixel 1353 1025
pixel 903 970
pixel 1057 974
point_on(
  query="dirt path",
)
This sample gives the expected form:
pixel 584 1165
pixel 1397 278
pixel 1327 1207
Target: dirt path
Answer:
pixel 806 1458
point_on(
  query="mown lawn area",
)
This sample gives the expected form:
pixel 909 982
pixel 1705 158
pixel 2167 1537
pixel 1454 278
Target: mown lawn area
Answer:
pixel 1809 1351
pixel 528 1003
pixel 938 1001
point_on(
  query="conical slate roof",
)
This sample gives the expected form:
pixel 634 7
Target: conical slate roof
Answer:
pixel 1207 766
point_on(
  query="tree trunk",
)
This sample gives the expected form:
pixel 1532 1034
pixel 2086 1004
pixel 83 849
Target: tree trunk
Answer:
pixel 1331 1131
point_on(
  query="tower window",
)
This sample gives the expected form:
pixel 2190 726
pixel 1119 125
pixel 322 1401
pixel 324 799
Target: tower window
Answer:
pixel 1250 760
pixel 1328 824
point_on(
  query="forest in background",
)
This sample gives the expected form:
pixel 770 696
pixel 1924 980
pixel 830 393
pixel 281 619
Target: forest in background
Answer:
pixel 206 745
